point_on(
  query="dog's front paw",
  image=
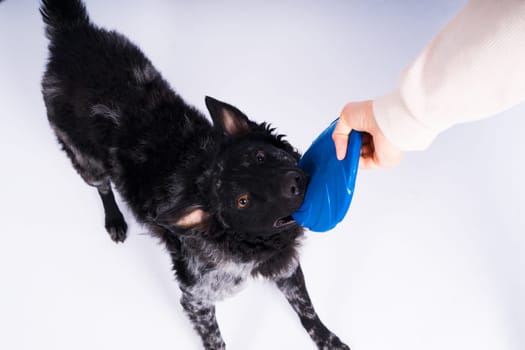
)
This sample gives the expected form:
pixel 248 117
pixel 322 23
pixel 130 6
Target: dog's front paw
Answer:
pixel 117 228
pixel 332 343
pixel 215 344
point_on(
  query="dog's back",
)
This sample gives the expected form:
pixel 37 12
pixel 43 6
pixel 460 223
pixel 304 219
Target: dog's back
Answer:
pixel 220 196
pixel 115 116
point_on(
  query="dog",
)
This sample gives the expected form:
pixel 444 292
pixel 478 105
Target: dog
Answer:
pixel 218 195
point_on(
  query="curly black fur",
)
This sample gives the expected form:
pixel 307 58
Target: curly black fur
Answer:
pixel 218 195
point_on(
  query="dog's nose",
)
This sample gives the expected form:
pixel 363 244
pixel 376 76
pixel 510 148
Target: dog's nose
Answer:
pixel 293 184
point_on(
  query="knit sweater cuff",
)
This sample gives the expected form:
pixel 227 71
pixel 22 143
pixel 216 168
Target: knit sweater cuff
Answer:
pixel 399 126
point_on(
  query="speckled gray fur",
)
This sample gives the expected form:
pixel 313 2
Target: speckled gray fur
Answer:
pixel 181 175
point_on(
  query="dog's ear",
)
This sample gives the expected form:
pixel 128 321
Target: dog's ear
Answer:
pixel 190 218
pixel 227 118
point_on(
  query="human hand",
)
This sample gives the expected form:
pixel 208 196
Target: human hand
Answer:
pixel 376 150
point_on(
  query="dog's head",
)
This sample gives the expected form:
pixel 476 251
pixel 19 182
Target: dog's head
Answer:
pixel 254 183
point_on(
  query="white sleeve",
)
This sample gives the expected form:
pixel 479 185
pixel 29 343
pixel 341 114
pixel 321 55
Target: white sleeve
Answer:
pixel 472 69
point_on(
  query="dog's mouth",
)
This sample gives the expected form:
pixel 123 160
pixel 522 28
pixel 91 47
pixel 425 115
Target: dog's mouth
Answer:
pixel 284 221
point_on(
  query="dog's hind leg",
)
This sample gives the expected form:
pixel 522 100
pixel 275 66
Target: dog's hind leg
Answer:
pixel 95 174
pixel 114 220
pixel 202 315
pixel 295 291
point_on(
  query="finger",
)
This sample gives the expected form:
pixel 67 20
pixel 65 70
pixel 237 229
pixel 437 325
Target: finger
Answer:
pixel 367 163
pixel 340 138
pixel 341 144
pixel 366 159
pixel 387 158
pixel 366 150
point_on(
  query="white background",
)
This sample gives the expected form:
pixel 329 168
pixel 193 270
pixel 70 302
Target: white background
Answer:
pixel 429 257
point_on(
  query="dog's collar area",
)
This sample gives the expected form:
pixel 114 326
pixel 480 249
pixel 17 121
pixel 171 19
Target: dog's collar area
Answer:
pixel 284 221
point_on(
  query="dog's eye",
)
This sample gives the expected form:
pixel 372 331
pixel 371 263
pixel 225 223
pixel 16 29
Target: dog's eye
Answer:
pixel 242 201
pixel 259 156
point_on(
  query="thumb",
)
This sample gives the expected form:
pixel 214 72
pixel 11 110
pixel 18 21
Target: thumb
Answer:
pixel 340 138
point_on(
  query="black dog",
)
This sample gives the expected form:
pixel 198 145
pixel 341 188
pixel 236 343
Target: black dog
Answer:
pixel 219 196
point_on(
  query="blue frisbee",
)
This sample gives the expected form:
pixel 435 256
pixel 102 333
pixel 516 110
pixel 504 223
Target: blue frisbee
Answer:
pixel 331 184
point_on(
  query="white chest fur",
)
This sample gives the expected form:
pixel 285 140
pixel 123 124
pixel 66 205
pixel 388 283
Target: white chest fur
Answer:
pixel 225 279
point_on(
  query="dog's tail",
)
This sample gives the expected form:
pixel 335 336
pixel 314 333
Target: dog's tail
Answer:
pixel 63 14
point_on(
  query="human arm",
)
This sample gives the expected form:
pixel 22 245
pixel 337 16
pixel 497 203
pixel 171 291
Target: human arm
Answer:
pixel 472 69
